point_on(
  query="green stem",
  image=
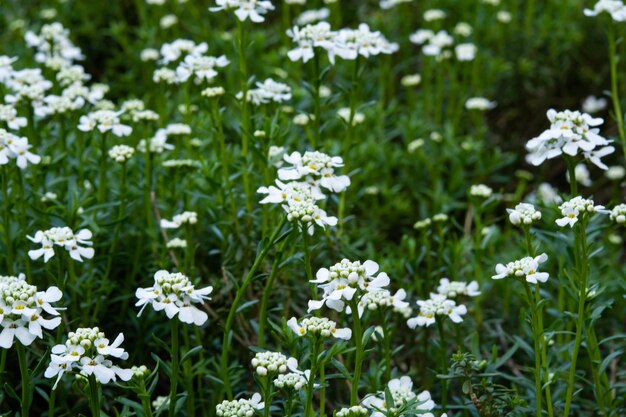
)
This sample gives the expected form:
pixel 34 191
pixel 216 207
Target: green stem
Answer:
pixel 174 367
pixel 316 101
pixel 537 370
pixel 245 117
pixel 26 387
pixel 267 291
pixel 102 182
pixel 581 242
pixel 358 359
pixel 386 344
pixel 235 305
pixel 617 109
pixel 7 221
pixel 308 410
pixel 322 366
pixel 444 362
pixel 94 400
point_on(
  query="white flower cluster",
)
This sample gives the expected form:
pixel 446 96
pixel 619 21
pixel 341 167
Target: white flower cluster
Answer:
pixel 268 91
pixel 618 214
pixel 239 408
pixel 15 147
pixel 22 308
pixel 453 289
pixel 480 190
pixel 341 281
pixel 8 114
pixel 527 267
pixel 315 167
pixel 354 411
pixel 292 381
pixel 575 207
pixel 401 390
pixel 570 132
pixel 192 63
pixel 523 214
pixel 156 144
pixel 200 66
pixel 77 245
pixel 388 4
pixel 374 300
pixel 345 43
pixel 86 352
pixel 615 8
pixel 54 47
pixel 433 44
pixel 176 294
pixel 318 326
pixel 26 85
pixel 245 9
pixel 437 305
pixel 121 153
pixel 480 104
pixel 186 217
pixel 308 17
pixel 269 363
pixel 105 121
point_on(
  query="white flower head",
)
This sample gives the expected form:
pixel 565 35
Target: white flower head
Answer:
pixel 527 268
pixel 245 9
pixel 401 390
pixel 453 289
pixel 318 326
pixel 437 306
pixel 269 363
pixel 618 214
pixel 614 8
pixel 573 209
pixel 175 294
pixel 240 408
pixel 78 245
pixel 523 214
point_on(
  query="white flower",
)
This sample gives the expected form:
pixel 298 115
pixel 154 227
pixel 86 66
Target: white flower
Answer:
pixel 401 390
pixel 121 153
pixel 615 8
pixel 411 80
pixel 176 243
pixel 575 207
pixel 465 51
pixel 105 121
pixel 317 166
pixel 86 352
pixel 149 54
pixel 453 289
pixel 8 114
pixel 240 408
pixel 350 43
pixel 480 190
pixel 356 410
pixel 523 214
pixel 618 214
pixel 310 37
pixel 581 172
pixel 268 91
pixel 504 16
pixel 343 280
pixel 203 67
pixel 77 245
pixel 388 4
pixel 345 114
pixel 245 9
pixel 156 144
pixel 437 305
pixel 22 308
pixel 311 16
pixel 318 326
pixel 570 132
pixel 434 14
pixel 526 267
pixel 374 300
pixel 480 104
pixel 463 29
pixel 174 293
pixel 15 147
pixel 186 217
pixel 593 104
pixel 615 173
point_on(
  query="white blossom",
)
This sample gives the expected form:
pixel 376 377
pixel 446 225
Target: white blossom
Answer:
pixel 453 289
pixel 527 267
pixel 437 305
pixel 401 390
pixel 78 245
pixel 245 9
pixel 523 214
pixel 577 206
pixel 318 326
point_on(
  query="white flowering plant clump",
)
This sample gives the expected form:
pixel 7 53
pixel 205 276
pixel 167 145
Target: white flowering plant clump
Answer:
pixel 175 294
pixel 87 352
pixel 22 311
pixel 78 245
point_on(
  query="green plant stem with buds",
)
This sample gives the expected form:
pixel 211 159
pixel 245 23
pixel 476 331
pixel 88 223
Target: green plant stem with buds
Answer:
pixel 174 366
pixel 235 305
pixel 27 393
pixel 94 398
pixel 357 335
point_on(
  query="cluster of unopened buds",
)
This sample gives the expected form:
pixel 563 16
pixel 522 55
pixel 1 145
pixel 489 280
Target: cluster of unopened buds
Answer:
pixel 453 289
pixel 618 214
pixel 121 153
pixel 291 381
pixel 186 217
pixel 272 363
pixel 239 408
pixel 572 209
pixel 318 326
